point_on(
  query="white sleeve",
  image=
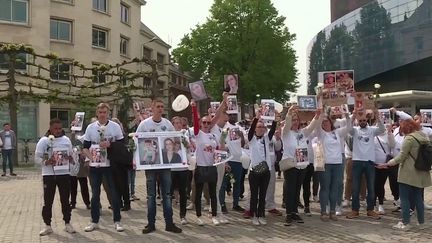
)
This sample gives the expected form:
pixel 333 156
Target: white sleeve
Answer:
pixel 141 127
pixel 41 147
pixel 403 116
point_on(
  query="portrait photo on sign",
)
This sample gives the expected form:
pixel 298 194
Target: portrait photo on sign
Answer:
pixel 329 80
pixel 307 102
pixel 77 123
pixel 171 150
pixel 345 80
pixel 301 155
pixel 234 134
pixel 197 90
pixel 268 109
pixel 61 159
pixel 232 106
pixel 426 117
pixel 220 157
pixel 231 83
pixel 214 105
pixel 385 116
pixel 148 151
pixel 98 156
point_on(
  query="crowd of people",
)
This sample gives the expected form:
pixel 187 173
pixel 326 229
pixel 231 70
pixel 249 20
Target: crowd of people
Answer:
pixel 355 154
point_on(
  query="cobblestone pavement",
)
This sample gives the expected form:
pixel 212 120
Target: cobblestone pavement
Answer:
pixel 20 221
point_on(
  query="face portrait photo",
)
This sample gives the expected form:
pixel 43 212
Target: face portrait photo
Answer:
pixel 197 90
pixel 302 155
pixel 232 104
pixel 329 80
pixel 426 117
pixel 345 80
pixel 231 83
pixel 148 151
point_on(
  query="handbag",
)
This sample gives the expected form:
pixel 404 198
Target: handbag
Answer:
pixel 286 164
pixel 261 168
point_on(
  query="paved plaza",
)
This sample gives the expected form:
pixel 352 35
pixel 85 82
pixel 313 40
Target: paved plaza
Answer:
pixel 20 221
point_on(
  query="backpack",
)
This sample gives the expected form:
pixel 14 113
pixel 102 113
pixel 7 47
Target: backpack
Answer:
pixel 424 156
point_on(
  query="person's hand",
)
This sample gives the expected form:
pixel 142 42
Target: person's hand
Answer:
pixel 389 128
pixel 318 112
pixel 225 96
pixel 105 144
pixel 192 103
pixel 382 166
pixel 227 168
pixel 392 110
pixel 258 113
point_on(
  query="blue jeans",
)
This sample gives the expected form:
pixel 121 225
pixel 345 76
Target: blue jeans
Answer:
pixel 131 181
pixel 360 168
pixel 236 170
pixel 416 194
pixel 7 157
pixel 96 175
pixel 341 185
pixel 165 183
pixel 330 181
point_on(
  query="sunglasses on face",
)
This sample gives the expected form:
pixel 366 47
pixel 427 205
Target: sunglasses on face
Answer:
pixel 303 124
pixel 362 120
pixel 206 122
pixel 260 127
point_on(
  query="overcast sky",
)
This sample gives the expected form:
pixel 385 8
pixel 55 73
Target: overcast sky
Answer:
pixel 172 19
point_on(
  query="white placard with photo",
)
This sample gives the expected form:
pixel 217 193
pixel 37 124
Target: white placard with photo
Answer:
pixel 197 90
pixel 61 158
pixel 221 157
pixel 307 102
pixel 77 123
pixel 385 116
pixel 214 105
pixel 99 156
pixel 426 117
pixel 232 105
pixel 160 150
pixel 268 109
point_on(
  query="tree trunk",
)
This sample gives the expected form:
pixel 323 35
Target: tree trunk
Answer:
pixel 13 106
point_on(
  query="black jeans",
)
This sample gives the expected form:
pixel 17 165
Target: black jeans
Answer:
pixel 242 179
pixel 179 182
pixel 120 178
pixel 213 200
pixel 74 190
pixel 293 180
pixel 309 174
pixel 49 189
pixel 258 184
pixel 380 180
pixel 394 185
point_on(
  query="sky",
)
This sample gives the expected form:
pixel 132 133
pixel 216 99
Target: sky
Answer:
pixel 172 19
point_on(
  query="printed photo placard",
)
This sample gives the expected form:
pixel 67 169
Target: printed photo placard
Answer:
pixel 307 102
pixel 385 116
pixel 268 109
pixel 231 83
pixel 426 117
pixel 61 158
pixel 214 105
pixel 221 157
pixel 98 156
pixel 301 155
pixel 159 150
pixel 232 105
pixel 364 100
pixel 77 123
pixel 337 87
pixel 197 90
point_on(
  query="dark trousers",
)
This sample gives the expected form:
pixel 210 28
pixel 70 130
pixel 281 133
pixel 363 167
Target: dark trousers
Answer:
pixel 49 189
pixel 309 176
pixel 7 158
pixel 242 179
pixel 258 184
pixel 394 185
pixel 120 177
pixel 179 182
pixel 293 180
pixel 213 199
pixel 84 190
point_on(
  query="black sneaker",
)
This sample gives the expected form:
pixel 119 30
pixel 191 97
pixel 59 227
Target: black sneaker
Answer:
pixel 224 209
pixel 88 206
pixel 13 174
pixel 4 174
pixel 288 220
pixel 148 229
pixel 300 206
pixel 307 211
pixel 72 205
pixel 238 209
pixel 283 205
pixel 173 228
pixel 126 208
pixel 297 218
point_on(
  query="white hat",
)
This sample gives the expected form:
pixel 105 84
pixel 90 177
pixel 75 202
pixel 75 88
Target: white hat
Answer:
pixel 278 107
pixel 180 103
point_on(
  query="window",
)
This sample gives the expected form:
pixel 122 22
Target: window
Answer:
pixel 98 77
pixel 100 5
pixel 99 38
pixel 60 71
pixel 160 61
pixel 63 115
pixel 60 30
pixel 147 52
pixel 124 45
pixel 124 13
pixel 20 63
pixel 27 119
pixel 14 11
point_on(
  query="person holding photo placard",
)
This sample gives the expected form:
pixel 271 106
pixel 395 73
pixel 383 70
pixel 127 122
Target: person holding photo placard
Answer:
pixel 98 137
pixel 157 123
pixel 55 139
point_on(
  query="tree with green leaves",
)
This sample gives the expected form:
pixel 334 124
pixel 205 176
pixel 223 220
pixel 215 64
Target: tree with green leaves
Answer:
pixel 246 37
pixel 316 61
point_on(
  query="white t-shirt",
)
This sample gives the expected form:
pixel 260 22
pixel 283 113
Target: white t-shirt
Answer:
pixel 233 141
pixel 427 131
pixel 260 151
pixel 331 144
pixel 7 143
pixel 363 142
pixel 112 133
pixel 380 155
pixel 43 147
pixel 149 125
pixel 291 142
pixel 398 142
pixel 206 144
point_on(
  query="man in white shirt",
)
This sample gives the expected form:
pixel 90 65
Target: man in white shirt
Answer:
pixel 363 157
pixel 8 138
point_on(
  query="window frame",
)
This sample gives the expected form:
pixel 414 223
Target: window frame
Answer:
pixel 12 21
pixel 106 11
pixel 58 72
pixel 70 30
pixel 128 13
pixel 3 70
pixel 124 39
pixel 160 66
pixel 57 110
pixel 98 76
pixel 99 29
pixel 144 47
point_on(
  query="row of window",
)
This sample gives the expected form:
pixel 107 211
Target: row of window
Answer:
pixel 17 11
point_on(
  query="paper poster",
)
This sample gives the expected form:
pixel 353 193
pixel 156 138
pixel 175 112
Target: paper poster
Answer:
pixel 307 102
pixel 385 116
pixel 61 158
pixel 364 100
pixel 197 90
pixel 339 110
pixel 301 155
pixel 231 83
pixel 426 117
pixel 214 105
pixel 345 80
pixel 77 123
pixel 337 87
pixel 232 105
pixel 268 109
pixel 160 150
pixel 98 156
pixel 221 157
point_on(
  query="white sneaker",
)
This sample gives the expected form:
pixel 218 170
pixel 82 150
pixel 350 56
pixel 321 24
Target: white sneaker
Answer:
pixel 262 220
pixel 215 221
pixel 69 229
pixel 46 231
pixel 92 226
pixel 339 211
pixel 401 226
pixel 381 209
pixel 183 221
pixel 345 203
pixel 396 203
pixel 223 220
pixel 255 221
pixel 158 202
pixel 315 198
pixel 427 206
pixel 207 208
pixel 200 222
pixel 191 206
pixel 328 209
pixel 118 227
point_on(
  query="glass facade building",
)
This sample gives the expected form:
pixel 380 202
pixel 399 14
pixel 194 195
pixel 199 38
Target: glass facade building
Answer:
pixel 385 41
